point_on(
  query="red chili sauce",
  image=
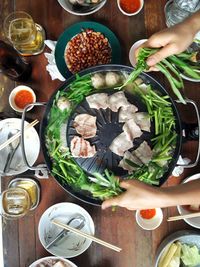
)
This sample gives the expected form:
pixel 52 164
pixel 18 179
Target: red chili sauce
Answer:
pixel 148 214
pixel 23 98
pixel 130 6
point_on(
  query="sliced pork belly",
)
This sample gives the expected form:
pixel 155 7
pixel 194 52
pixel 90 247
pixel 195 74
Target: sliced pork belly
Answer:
pixel 143 120
pixel 131 129
pixel 98 101
pixel 126 113
pixel 143 152
pixel 80 148
pixel 129 156
pixel 121 144
pixel 85 125
pixel 117 100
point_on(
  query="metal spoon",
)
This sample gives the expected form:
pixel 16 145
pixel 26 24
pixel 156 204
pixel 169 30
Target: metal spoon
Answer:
pixel 65 232
pixel 13 147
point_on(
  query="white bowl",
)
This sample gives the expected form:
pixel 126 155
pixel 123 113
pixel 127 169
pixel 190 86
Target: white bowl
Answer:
pixel 13 94
pixel 132 58
pixel 68 7
pixel 72 245
pixel 130 14
pixel 42 260
pixel 149 224
pixel 194 222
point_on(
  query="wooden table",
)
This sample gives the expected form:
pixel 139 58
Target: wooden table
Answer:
pixel 20 238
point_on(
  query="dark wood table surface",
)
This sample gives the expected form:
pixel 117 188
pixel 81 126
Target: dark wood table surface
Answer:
pixel 21 245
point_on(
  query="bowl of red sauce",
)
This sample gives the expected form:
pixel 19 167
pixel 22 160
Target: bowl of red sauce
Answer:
pixel 20 97
pixel 130 7
pixel 149 219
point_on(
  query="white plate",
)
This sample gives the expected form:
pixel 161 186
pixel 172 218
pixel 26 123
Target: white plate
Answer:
pixel 32 146
pixel 195 222
pixel 42 260
pixel 73 245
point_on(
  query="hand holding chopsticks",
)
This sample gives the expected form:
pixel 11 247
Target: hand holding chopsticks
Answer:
pixel 184 216
pixel 88 236
pixel 17 135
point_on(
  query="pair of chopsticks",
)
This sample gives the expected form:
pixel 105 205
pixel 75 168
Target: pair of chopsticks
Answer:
pixel 185 216
pixel 88 236
pixel 17 135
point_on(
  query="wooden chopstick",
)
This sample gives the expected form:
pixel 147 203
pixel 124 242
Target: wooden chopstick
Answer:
pixel 14 137
pixel 88 236
pixel 185 216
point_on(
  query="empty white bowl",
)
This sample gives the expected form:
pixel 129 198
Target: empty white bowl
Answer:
pixel 132 58
pixel 13 94
pixel 71 245
pixel 130 14
pixel 52 259
pixel 68 7
pixel 149 224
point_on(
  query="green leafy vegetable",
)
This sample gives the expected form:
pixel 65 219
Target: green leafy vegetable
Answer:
pixel 190 256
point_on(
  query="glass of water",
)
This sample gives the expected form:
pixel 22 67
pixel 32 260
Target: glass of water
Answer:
pixel 178 10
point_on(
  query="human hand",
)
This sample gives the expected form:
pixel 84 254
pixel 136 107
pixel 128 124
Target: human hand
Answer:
pixel 171 41
pixel 138 195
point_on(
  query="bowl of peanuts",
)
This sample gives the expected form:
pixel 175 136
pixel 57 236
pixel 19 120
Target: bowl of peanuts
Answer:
pixel 85 45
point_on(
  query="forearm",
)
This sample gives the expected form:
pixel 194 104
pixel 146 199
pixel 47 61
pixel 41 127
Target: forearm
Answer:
pixel 184 194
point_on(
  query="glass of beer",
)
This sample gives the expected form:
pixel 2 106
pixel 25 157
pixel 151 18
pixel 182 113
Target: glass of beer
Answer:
pixel 25 35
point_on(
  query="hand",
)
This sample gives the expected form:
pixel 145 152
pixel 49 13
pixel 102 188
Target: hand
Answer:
pixel 138 195
pixel 171 41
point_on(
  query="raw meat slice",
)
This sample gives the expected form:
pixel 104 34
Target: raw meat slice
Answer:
pixel 126 113
pixel 117 100
pixel 129 156
pixel 98 101
pixel 81 148
pixel 143 152
pixel 85 125
pixel 120 144
pixel 131 129
pixel 143 120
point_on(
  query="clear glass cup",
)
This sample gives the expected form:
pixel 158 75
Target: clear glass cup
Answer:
pixel 178 10
pixel 25 35
pixel 15 203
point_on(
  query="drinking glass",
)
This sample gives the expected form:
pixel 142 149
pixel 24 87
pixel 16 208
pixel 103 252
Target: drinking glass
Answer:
pixel 177 10
pixel 25 35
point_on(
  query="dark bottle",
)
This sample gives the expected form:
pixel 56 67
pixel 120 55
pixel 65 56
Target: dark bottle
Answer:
pixel 12 64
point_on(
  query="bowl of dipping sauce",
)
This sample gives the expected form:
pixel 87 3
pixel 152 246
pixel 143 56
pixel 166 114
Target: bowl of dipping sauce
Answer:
pixel 130 7
pixel 149 219
pixel 20 97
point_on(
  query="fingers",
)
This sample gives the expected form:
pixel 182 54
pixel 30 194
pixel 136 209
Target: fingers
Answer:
pixel 111 202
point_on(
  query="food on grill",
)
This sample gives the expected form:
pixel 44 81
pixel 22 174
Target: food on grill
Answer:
pixel 130 162
pixel 144 152
pixel 143 120
pixel 87 49
pixel 126 113
pixel 80 148
pixel 85 125
pixel 98 80
pixel 121 144
pixel 112 79
pixel 98 101
pixel 132 130
pixel 118 100
pixel 63 103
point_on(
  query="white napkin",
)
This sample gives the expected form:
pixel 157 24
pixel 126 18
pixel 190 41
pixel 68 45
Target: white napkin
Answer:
pixel 179 169
pixel 51 67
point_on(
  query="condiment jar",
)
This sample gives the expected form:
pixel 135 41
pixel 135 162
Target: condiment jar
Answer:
pixel 15 203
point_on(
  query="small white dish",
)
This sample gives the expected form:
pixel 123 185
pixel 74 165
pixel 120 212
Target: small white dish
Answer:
pixel 132 58
pixel 52 259
pixel 150 224
pixel 17 90
pixel 194 222
pixel 73 245
pixel 65 4
pixel 130 14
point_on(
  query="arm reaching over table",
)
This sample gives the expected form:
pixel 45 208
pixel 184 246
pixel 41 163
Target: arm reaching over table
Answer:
pixel 139 195
pixel 173 40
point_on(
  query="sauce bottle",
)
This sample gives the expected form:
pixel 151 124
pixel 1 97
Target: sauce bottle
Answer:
pixel 12 64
